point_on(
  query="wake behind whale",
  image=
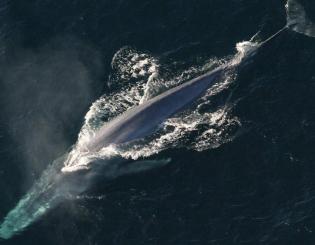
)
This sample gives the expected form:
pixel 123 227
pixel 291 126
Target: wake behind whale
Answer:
pixel 127 134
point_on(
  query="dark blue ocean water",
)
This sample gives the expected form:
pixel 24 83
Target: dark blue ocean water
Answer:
pixel 258 188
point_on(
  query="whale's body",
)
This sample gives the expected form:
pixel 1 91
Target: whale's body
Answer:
pixel 143 119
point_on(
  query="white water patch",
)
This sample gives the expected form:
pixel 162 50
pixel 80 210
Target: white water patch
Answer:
pixel 192 129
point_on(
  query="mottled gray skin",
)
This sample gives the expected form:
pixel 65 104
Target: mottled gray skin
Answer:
pixel 143 119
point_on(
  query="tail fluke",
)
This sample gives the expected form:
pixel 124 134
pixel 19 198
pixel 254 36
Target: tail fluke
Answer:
pixel 297 19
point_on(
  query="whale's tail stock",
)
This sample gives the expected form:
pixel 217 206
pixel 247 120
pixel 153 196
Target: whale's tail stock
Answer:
pixel 298 19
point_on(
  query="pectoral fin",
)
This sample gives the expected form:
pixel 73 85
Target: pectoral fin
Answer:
pixel 145 165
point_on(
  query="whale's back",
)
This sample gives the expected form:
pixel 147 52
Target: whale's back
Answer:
pixel 143 119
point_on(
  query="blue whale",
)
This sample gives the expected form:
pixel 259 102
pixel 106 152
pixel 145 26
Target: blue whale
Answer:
pixel 142 120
